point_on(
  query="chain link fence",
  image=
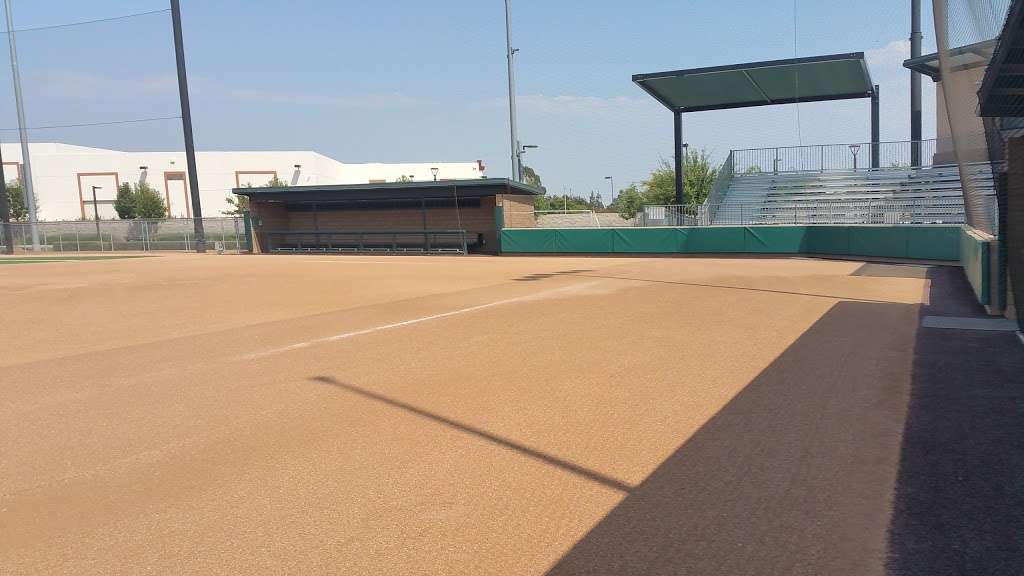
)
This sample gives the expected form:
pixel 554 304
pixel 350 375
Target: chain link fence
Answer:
pixel 178 234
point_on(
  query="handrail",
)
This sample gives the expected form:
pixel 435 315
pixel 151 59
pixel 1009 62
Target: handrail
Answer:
pixel 718 190
pixel 829 157
pixel 833 144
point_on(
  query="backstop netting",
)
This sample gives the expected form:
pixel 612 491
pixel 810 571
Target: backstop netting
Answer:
pixel 965 34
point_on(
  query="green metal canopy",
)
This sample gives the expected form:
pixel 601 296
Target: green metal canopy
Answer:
pixel 814 79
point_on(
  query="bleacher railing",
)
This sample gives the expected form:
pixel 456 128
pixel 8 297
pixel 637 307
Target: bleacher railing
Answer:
pixel 940 210
pixel 829 157
pixel 719 189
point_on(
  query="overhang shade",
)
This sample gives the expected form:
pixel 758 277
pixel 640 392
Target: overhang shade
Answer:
pixel 1002 89
pixel 961 58
pixel 814 79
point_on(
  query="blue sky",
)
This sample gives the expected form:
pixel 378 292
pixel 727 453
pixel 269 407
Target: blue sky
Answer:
pixel 402 80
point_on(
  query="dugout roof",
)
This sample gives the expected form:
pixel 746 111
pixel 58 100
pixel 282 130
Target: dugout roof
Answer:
pixel 442 189
pixel 814 79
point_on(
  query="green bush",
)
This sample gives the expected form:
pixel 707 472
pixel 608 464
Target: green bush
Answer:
pixel 139 201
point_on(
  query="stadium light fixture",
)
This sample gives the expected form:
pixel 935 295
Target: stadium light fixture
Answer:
pixel 434 171
pixel 297 166
pixel 522 150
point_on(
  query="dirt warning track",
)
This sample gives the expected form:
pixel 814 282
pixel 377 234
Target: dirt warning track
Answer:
pixel 451 415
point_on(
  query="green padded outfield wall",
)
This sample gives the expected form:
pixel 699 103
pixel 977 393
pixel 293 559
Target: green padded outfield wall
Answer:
pixel 974 257
pixel 906 242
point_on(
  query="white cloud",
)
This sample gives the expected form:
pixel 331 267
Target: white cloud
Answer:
pixel 890 56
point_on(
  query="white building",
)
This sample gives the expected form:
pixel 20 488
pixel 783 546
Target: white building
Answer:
pixel 63 175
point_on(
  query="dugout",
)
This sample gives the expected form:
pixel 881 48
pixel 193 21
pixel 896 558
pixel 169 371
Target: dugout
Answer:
pixel 456 216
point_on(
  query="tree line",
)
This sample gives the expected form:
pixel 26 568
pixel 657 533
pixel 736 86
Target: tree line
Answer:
pixel 658 189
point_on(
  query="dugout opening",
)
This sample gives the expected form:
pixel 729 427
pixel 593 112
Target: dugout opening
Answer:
pixel 455 216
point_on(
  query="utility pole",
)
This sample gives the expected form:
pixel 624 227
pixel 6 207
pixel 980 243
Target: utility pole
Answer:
pixel 186 124
pixel 915 85
pixel 26 161
pixel 517 168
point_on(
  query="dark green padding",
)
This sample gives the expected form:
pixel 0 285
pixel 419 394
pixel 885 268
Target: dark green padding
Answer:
pixel 974 257
pixel 826 240
pixel 530 241
pixel 713 240
pixel 904 242
pixel 585 240
pixel 775 239
pixel 647 240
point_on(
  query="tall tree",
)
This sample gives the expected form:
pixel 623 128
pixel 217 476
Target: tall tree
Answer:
pixel 139 201
pixel 531 177
pixel 124 204
pixel 660 187
pixel 16 201
pixel 148 202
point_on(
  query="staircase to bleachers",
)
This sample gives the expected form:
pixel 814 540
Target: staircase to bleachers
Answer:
pixel 929 195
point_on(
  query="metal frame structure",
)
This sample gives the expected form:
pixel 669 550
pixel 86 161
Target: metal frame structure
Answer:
pixel 725 102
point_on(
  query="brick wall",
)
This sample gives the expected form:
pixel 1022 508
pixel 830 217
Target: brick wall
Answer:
pixel 518 211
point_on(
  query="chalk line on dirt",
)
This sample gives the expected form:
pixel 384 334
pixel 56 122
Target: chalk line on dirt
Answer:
pixel 578 289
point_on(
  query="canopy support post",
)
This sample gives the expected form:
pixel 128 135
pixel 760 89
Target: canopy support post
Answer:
pixel 678 124
pixel 875 134
pixel 915 85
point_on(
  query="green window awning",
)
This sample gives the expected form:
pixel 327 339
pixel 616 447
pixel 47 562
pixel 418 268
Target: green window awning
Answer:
pixel 814 79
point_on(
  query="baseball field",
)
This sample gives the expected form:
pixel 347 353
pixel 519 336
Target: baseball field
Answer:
pixel 452 415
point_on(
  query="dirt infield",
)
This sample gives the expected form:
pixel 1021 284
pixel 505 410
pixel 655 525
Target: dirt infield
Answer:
pixel 447 415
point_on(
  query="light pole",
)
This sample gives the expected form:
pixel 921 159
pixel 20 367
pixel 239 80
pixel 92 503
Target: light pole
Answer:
pixel 186 124
pixel 522 151
pixel 517 168
pixel 612 183
pixel 854 149
pixel 26 160
pixel 96 215
pixel 434 171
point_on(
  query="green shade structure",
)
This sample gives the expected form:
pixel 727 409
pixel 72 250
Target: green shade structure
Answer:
pixel 834 77
pixel 812 79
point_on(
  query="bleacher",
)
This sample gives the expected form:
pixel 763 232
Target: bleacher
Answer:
pixel 931 195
